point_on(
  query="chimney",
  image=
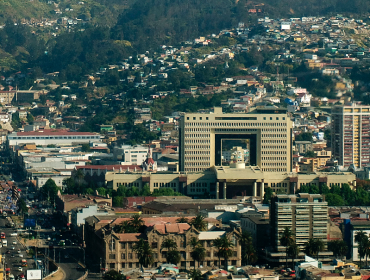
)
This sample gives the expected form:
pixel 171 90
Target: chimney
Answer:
pixel 96 192
pixel 107 195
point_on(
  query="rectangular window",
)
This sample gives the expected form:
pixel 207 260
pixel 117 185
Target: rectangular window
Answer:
pixel 130 245
pixel 154 245
pixel 112 265
pixel 130 256
pixel 112 256
pixel 123 245
pixel 123 256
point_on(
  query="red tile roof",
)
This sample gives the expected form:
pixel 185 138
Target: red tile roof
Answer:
pixel 129 237
pixel 172 228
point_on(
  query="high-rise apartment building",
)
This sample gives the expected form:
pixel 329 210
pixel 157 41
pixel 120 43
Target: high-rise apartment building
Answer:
pixel 264 136
pixel 351 135
pixel 305 214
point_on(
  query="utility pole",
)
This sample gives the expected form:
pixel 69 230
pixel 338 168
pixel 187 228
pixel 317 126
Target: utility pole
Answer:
pixel 54 254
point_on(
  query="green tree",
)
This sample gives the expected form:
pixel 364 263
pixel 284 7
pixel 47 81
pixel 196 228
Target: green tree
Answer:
pixel 195 274
pixel 117 201
pixel 22 206
pixel 224 247
pixel 172 255
pixel 338 247
pixel 286 240
pixel 361 240
pixel 304 136
pixel 334 200
pixel 199 223
pixel 182 220
pixel 85 148
pixel 198 253
pixel 50 190
pixel 114 275
pixel 310 154
pixel 293 252
pixel 102 191
pixel 249 254
pixel 144 252
pixel 30 118
pixel 313 247
pixel 267 196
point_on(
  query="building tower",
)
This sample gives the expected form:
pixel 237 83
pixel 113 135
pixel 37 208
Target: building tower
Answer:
pixel 306 215
pixel 351 135
pixel 207 139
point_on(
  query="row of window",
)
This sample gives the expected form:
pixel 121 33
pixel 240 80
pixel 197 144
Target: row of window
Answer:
pixel 235 124
pixel 274 152
pixel 51 137
pixel 274 135
pixel 273 147
pixel 273 158
pixel 196 147
pixel 197 152
pixel 274 169
pixel 274 141
pixel 197 135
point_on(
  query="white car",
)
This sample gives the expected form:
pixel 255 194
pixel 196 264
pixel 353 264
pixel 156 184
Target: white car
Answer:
pixel 20 269
pixel 14 242
pixel 20 255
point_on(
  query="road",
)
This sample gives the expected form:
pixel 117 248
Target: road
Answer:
pixel 68 259
pixel 12 259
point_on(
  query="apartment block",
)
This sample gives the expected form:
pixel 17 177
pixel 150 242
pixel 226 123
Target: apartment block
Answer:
pixel 351 135
pixel 265 136
pixel 305 214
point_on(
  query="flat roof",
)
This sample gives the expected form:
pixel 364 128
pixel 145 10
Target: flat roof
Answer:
pixel 52 132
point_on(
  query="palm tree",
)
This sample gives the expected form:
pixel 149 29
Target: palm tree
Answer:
pixel 169 244
pixel 338 247
pixel 248 251
pixel 173 257
pixel 361 238
pixel 195 274
pixel 199 223
pixel 137 222
pixel 198 254
pixel 145 253
pixel 314 246
pixel 293 252
pixel 182 220
pixel 286 239
pixel 224 246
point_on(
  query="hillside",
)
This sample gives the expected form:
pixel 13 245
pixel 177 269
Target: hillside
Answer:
pixel 149 23
pixel 100 12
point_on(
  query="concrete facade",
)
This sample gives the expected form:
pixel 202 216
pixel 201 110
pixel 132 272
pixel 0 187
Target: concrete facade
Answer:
pixel 268 130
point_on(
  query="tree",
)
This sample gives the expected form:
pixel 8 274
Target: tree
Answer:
pixel 199 223
pixel 144 252
pixel 102 191
pixel 267 196
pixel 313 247
pixel 199 252
pixel 286 240
pixel 304 136
pixel 173 255
pixel 310 154
pixel 50 190
pixel 293 252
pixel 169 244
pixel 195 274
pixel 361 240
pixel 338 247
pixel 134 225
pixel 22 206
pixel 30 118
pixel 224 246
pixel 114 275
pixel 182 220
pixel 249 254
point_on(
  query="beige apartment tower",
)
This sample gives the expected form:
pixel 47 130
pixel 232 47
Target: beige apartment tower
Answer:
pixel 351 135
pixel 264 136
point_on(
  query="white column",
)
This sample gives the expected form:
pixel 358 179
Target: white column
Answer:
pixel 255 189
pixel 262 189
pixel 225 190
pixel 217 190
